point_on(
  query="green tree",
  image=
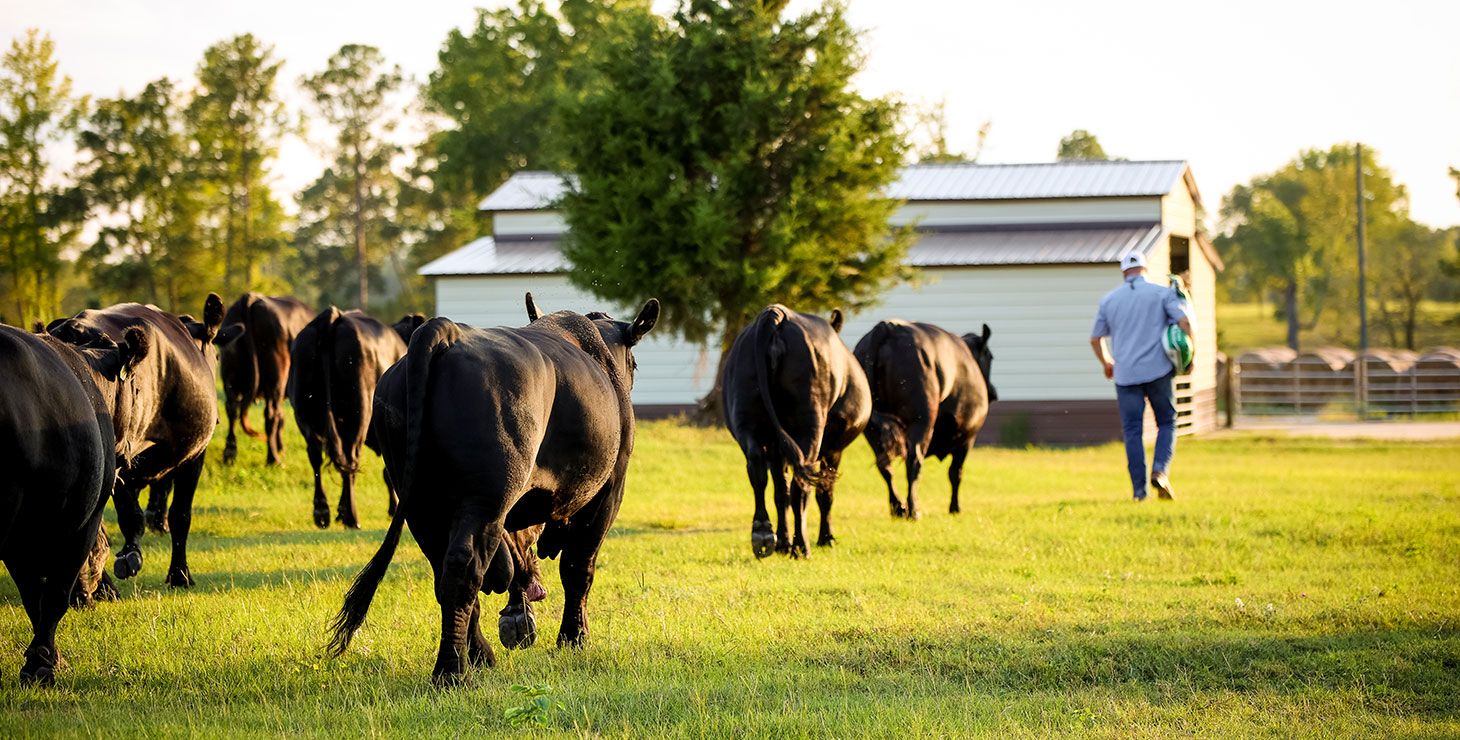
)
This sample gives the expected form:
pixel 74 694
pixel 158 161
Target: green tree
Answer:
pixel 237 119
pixel 1404 274
pixel 354 94
pixel 1293 230
pixel 1080 145
pixel 140 176
pixel 928 135
pixel 39 218
pixel 727 163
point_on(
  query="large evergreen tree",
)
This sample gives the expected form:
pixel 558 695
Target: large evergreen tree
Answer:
pixel 39 217
pixel 354 94
pixel 726 163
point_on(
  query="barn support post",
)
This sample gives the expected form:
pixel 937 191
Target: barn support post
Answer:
pixel 1362 380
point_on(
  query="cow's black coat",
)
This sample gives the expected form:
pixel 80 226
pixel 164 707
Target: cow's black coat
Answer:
pixel 491 431
pixel 253 358
pixel 930 396
pixel 175 410
pixel 336 360
pixel 62 409
pixel 793 396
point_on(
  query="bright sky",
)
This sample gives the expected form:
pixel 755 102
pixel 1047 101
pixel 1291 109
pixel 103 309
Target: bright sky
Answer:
pixel 1236 87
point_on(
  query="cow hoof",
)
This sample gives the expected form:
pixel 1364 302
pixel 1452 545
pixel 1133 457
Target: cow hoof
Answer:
pixel 156 521
pixel 40 667
pixel 479 652
pixel 448 673
pixel 799 552
pixel 106 590
pixel 230 453
pixel 953 509
pixel 348 523
pixel 128 564
pixel 179 578
pixel 517 628
pixel 899 511
pixel 826 541
pixel 762 543
pixel 322 518
pixel 575 639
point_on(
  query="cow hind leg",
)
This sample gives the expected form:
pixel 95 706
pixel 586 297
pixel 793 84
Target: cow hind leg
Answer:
pixel 129 520
pixel 955 477
pixel 274 431
pixel 394 502
pixel 462 571
pixel 180 519
pixel 314 450
pixel 346 507
pixel 53 597
pixel 800 498
pixel 762 538
pixel 918 436
pixel 156 513
pixel 230 447
pixel 478 650
pixel 824 484
pixel 783 505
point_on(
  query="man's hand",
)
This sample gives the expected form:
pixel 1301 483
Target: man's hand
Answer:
pixel 1097 345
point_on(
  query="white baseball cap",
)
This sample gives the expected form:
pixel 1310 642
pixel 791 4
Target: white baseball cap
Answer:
pixel 1132 260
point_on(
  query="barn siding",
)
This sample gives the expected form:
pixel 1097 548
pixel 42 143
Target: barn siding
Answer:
pixel 523 223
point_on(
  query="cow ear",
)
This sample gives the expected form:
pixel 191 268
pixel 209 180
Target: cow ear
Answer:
pixel 986 333
pixel 51 327
pixel 533 312
pixel 228 334
pixel 213 311
pixel 39 327
pixel 646 321
pixel 837 319
pixel 134 348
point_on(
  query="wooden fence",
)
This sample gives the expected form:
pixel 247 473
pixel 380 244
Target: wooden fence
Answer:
pixel 1281 382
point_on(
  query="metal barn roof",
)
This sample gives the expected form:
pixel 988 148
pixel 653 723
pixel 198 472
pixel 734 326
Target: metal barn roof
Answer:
pixel 1098 179
pixel 1044 246
pixel 1051 246
pixel 535 190
pixel 488 256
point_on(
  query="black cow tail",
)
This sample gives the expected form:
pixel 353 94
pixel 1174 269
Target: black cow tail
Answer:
pixel 890 430
pixel 430 339
pixel 324 337
pixel 766 326
pixel 362 591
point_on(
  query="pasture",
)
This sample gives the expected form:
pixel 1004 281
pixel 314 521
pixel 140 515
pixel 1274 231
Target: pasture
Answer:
pixel 1296 588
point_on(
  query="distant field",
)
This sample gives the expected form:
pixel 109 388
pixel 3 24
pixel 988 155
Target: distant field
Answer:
pixel 1243 326
pixel 1297 588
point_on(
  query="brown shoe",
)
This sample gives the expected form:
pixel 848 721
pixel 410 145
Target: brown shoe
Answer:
pixel 1162 484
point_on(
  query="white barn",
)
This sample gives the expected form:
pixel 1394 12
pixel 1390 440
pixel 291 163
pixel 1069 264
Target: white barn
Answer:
pixel 1028 249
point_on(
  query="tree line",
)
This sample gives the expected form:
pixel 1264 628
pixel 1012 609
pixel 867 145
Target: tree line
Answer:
pixel 723 161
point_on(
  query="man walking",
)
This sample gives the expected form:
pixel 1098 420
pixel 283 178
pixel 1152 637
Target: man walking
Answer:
pixel 1134 316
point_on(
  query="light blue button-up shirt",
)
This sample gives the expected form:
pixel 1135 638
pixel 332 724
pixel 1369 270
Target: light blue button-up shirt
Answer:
pixel 1134 316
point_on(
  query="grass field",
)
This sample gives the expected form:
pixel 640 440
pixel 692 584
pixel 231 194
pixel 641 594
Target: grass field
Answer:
pixel 1297 588
pixel 1244 326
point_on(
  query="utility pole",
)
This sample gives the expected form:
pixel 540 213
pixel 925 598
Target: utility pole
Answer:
pixel 1361 378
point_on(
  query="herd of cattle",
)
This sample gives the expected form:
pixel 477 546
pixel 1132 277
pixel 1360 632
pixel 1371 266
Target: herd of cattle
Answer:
pixel 495 441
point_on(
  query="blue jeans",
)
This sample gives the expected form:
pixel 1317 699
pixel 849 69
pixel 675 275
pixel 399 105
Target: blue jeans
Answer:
pixel 1132 401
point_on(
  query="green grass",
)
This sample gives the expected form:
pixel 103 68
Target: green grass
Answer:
pixel 1244 326
pixel 1297 588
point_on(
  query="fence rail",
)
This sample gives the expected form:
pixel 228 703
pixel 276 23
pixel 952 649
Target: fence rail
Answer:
pixel 1281 382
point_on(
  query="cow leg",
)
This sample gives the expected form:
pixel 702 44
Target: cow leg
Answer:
pixel 156 513
pixel 129 520
pixel 461 576
pixel 478 650
pixel 800 499
pixel 918 437
pixel 30 583
pixel 884 466
pixel 587 531
pixel 230 447
pixel 516 624
pixel 58 575
pixel 346 508
pixel 180 519
pixel 829 463
pixel 314 449
pixel 274 430
pixel 783 504
pixel 955 477
pixel 762 539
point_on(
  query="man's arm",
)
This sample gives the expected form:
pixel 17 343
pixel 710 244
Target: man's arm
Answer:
pixel 1103 355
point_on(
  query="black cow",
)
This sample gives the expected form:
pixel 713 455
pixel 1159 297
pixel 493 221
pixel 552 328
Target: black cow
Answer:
pixel 930 396
pixel 793 395
pixel 337 360
pixel 253 358
pixel 62 411
pixel 175 411
pixel 492 431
